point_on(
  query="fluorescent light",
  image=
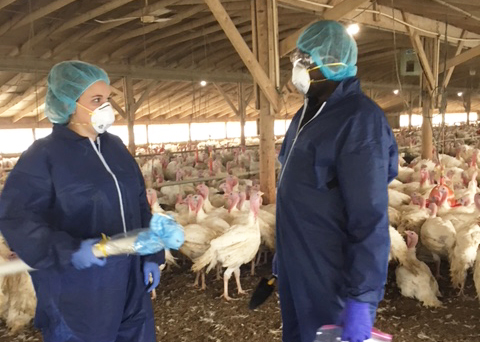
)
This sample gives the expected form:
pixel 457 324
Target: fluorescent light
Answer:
pixel 459 94
pixel 203 83
pixel 353 29
pixel 396 91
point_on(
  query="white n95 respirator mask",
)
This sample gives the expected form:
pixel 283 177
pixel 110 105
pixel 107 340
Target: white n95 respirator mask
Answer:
pixel 301 78
pixel 102 117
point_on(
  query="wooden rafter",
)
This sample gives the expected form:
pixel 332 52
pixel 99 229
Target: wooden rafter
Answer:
pixel 38 87
pixel 177 35
pixel 118 108
pixel 449 73
pixel 20 20
pixel 227 99
pixel 29 65
pixel 191 36
pixel 34 106
pixel 245 53
pixel 422 57
pixel 144 95
pixel 463 57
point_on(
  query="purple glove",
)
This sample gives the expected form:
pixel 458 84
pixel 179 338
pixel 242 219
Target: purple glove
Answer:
pixel 274 265
pixel 356 321
pixel 84 258
pixel 152 268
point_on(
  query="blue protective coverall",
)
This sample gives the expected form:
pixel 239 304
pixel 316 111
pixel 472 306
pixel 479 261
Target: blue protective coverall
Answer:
pixel 332 211
pixel 59 194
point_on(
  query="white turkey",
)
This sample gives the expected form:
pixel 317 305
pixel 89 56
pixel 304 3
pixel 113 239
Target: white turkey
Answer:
pixel 421 285
pixel 464 253
pixel 438 236
pixel 236 247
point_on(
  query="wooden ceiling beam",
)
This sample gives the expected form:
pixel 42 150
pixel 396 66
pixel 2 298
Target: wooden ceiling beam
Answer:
pixel 227 99
pixel 34 106
pixel 23 20
pixel 260 76
pixel 5 3
pixel 213 38
pixel 32 65
pixel 144 95
pixel 177 30
pixel 38 87
pixel 449 72
pixel 422 57
pixel 182 37
pixel 462 57
pixel 177 110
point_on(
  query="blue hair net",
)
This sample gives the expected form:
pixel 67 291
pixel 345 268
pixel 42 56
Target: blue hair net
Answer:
pixel 67 81
pixel 328 42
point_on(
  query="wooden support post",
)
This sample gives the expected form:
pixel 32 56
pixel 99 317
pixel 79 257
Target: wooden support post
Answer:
pixel 467 103
pixel 130 111
pixel 410 111
pixel 266 45
pixel 427 134
pixel 242 106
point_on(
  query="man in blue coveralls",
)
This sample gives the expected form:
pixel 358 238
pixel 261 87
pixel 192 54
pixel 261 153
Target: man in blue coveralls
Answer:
pixel 338 156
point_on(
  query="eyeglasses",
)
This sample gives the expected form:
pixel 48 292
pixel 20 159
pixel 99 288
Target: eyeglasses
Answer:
pixel 298 56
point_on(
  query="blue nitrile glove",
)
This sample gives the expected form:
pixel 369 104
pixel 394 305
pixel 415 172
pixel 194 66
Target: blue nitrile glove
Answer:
pixel 153 269
pixel 84 258
pixel 356 321
pixel 166 228
pixel 274 265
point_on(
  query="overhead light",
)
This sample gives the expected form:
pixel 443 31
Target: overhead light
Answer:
pixel 203 83
pixel 396 91
pixel 459 94
pixel 353 29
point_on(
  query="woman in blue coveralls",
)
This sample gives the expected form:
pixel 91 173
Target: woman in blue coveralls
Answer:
pixel 66 190
pixel 338 157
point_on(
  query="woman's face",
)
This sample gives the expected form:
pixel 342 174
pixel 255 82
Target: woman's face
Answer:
pixel 96 95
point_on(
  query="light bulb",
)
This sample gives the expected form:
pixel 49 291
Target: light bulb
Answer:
pixel 396 91
pixel 459 94
pixel 203 83
pixel 353 29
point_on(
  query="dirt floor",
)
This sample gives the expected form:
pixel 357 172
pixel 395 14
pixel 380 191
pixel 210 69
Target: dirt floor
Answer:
pixel 186 314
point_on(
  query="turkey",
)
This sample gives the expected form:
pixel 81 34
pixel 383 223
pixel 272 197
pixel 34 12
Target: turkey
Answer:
pixel 394 216
pixel 399 250
pixel 213 221
pixel 396 198
pixel 237 246
pixel 413 220
pixel 420 285
pixel 17 295
pixel 438 236
pixel 476 274
pixel 464 253
pixel 197 242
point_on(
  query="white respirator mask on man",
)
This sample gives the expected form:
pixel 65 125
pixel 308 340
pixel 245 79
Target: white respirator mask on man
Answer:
pixel 301 77
pixel 102 117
